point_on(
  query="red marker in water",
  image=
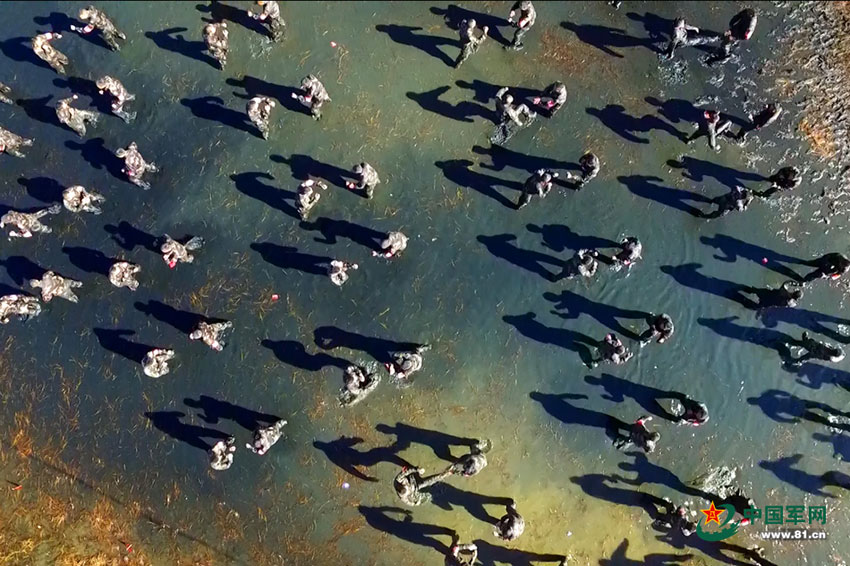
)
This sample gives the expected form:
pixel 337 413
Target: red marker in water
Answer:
pixel 764 260
pixel 333 43
pixel 275 297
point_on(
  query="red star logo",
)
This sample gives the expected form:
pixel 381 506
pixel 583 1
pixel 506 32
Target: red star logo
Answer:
pixel 712 514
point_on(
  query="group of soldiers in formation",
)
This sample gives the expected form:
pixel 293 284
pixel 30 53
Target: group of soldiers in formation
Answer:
pixel 361 379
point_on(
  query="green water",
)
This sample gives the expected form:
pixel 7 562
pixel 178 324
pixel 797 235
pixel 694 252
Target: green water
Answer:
pixel 499 337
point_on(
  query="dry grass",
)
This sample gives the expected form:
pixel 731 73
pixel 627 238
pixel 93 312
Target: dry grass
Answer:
pixel 571 56
pixel 819 135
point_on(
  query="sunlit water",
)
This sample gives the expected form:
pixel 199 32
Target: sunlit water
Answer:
pixel 472 283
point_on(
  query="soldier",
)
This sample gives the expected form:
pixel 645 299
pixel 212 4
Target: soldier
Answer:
pixel 538 184
pixel 338 271
pixel 266 437
pixel 630 252
pixel 221 454
pixel 584 263
pixel 78 199
pixel 469 40
pixel 737 199
pixel 308 196
pixel 786 179
pixel 96 19
pixel 114 87
pixel 5 92
pixel 511 525
pixel 271 16
pixel 259 112
pixel 554 97
pixel 712 128
pixel 22 306
pixel 524 21
pixel 313 95
pixel 743 24
pixel 173 252
pixel 367 179
pixel 405 364
pixel 75 118
pixel 512 117
pixel 156 361
pixel 49 54
pixel 212 334
pixel 690 412
pixel 589 167
pixel 471 464
pixel 768 115
pixel 123 274
pixel 680 37
pixel 215 36
pixel 409 483
pixel 53 285
pixel 676 518
pixel 463 555
pixel 392 245
pixel 660 326
pixel 358 382
pixel 815 350
pixel 10 143
pixel 135 166
pixel 28 223
pixel 832 265
pixel 639 436
pixel 613 351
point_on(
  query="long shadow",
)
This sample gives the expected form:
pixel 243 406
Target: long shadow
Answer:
pixel 330 337
pixel 22 269
pixel 502 157
pixel 430 44
pixel 688 275
pixel 502 246
pixel 446 496
pixel 815 376
pixel 617 389
pixel 569 306
pixel 657 28
pixel 732 248
pixel 95 153
pixel 332 230
pixel 840 443
pixel 183 321
pixel 196 50
pixel 485 92
pixel 647 187
pixel 421 534
pixel 462 111
pixel 128 237
pixel 61 23
pixel 44 189
pixel 89 260
pixel 341 453
pixel 193 435
pixel 221 12
pixel 698 169
pixel 287 257
pixel 597 485
pixel 771 339
pixel 784 470
pixel 562 337
pixel 490 555
pixel 114 340
pixel 38 110
pixel 614 117
pixel 676 110
pixel 454 15
pixel 559 407
pixel 20 49
pixel 714 549
pixel 605 38
pixel 783 407
pixel 804 318
pixel 559 237
pixel 295 354
pixel 249 184
pixel 212 108
pixel 87 87
pixel 304 167
pixel 215 410
pixel 648 472
pixel 458 171
pixel 254 86
pixel 439 442
pixel 618 558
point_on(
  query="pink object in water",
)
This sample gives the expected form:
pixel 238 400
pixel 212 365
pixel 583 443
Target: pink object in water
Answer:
pixel 333 43
pixel 764 260
pixel 275 297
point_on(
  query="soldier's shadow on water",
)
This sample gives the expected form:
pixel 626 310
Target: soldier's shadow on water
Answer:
pixel 783 407
pixel 462 111
pixel 454 15
pixel 804 318
pixel 341 453
pixel 221 12
pixel 615 118
pixel 304 167
pixel 21 269
pixel 558 406
pixel 599 486
pixel 169 422
pixel 79 85
pixel 458 171
pixel 502 157
pixel 38 110
pixel 20 49
pixel 688 275
pixel 184 321
pixel 650 473
pixel 771 339
pixel 60 22
pixel 440 442
pixel 259 87
pixel 287 257
pixel 559 237
pixel 618 558
pixel 88 260
pixel 732 248
pixel 490 554
pixel 114 341
pixel 332 230
pixel 647 187
pixel 196 50
pixel 215 410
pixel 212 108
pixel 446 496
pixel 528 326
pixel 95 153
pixel 617 389
pixel 422 534
pixel 503 246
pixel 429 44
pixel 128 237
pixel 331 337
pixel 697 170
pixel 249 184
pixel 606 38
pixel 569 306
pixel 44 189
pixel 294 353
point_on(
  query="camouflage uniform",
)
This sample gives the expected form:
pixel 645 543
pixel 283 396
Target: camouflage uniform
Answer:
pixel 114 87
pixel 266 437
pixel 28 223
pixel 589 166
pixel 135 166
pixel 215 36
pixel 308 196
pixel 538 184
pixel 97 19
pixel 526 19
pixel 49 54
pixel 271 15
pixel 409 483
pixel 259 111
pixel 22 306
pixel 367 179
pixel 511 525
pixel 469 41
pixel 78 199
pixel 173 252
pixel 10 143
pixel 221 454
pixel 53 285
pixel 74 118
pixel 313 96
pixel 338 271
pixel 123 274
pixel 155 363
pixel 5 91
pixel 211 334
pixel 393 245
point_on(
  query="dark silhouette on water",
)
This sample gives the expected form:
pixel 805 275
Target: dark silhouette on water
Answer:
pixel 128 237
pixel 454 15
pixel 60 22
pixel 732 248
pixel 89 260
pixel 304 167
pixel 649 472
pixel 598 486
pixel 166 39
pixel 221 12
pixel 44 189
pixel 295 354
pixel 421 534
pixel 82 86
pixel 447 496
pixel 486 92
pixel 688 275
pixel 215 410
pixel 804 318
pixel 771 339
pixel 20 49
pixel 528 326
pixel 618 558
pixel 617 389
pixel 332 230
pixel 114 340
pixel 330 337
pixel 647 187
pixel 341 452
pixel 212 108
pixel 287 257
pixel 458 171
pixel 676 110
pixel 193 435
pixel 22 269
pixel 697 170
pixel 783 407
pixel 559 237
pixel 95 153
pixel 559 407
pixel 249 184
pixel 784 469
pixel 490 554
pixel 502 157
pixel 503 246
pixel 254 86
pixel 184 321
pixel 614 117
pixel 462 111
pixel 570 306
pixel 815 376
pixel 38 110
pixel 440 442
pixel 430 44
pixel 605 38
